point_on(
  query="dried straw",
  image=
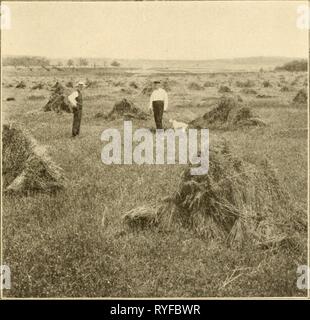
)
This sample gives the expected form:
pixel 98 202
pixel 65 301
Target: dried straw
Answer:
pixel 26 165
pixel 236 203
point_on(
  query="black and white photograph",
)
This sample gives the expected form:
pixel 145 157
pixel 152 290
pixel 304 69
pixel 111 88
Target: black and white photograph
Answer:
pixel 154 149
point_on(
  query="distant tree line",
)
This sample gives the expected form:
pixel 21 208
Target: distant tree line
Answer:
pixel 25 61
pixel 81 62
pixel 30 61
pixel 70 63
pixel 296 65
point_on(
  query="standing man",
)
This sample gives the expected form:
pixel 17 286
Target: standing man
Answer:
pixel 76 101
pixel 159 103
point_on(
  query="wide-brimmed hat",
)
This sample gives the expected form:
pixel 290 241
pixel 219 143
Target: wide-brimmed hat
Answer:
pixel 80 83
pixel 156 81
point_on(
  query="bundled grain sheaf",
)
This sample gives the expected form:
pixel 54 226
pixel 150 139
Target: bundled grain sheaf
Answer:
pixel 91 83
pixel 149 86
pixel 21 85
pixel 301 97
pixel 58 100
pixel 224 89
pixel 267 84
pixel 209 84
pixel 285 89
pixel 228 113
pixel 38 86
pixel 236 203
pixel 132 84
pixel 248 91
pixel 127 110
pixel 26 167
pixel 195 86
pixel 245 84
pixel 69 84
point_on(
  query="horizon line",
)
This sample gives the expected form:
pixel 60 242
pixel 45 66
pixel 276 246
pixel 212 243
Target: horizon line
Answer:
pixel 155 59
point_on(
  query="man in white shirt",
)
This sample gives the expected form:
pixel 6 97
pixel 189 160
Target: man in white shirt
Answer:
pixel 158 103
pixel 76 101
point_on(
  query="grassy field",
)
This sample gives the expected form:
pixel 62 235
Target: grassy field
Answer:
pixel 56 246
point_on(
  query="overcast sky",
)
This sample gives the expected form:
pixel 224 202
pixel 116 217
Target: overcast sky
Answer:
pixel 155 30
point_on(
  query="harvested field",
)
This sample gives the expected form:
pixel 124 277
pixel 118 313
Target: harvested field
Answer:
pixel 97 203
pixel 134 244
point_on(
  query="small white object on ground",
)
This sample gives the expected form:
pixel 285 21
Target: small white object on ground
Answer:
pixel 178 125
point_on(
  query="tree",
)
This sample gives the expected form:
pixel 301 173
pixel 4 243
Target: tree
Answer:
pixel 115 64
pixel 83 62
pixel 25 61
pixel 70 63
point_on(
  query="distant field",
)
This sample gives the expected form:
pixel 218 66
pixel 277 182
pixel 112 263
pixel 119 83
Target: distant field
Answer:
pixel 141 66
pixel 55 245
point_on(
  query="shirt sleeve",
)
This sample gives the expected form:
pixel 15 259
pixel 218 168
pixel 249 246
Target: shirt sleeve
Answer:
pixel 165 101
pixel 72 98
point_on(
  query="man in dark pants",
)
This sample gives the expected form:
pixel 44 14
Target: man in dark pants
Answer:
pixel 76 101
pixel 158 103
